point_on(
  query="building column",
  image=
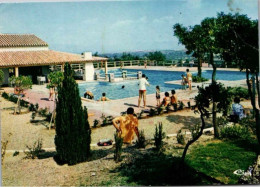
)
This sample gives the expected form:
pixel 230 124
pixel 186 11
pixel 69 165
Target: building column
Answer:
pixel 105 67
pixel 62 68
pixel 89 71
pixel 16 70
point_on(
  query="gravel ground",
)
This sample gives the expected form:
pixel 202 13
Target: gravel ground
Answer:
pixel 26 133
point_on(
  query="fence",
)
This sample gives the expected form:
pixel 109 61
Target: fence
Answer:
pixel 113 77
pixel 142 63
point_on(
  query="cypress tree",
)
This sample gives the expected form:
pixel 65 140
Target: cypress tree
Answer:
pixel 73 133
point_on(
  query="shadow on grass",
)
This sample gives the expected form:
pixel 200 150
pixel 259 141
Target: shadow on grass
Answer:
pixel 188 121
pixel 248 145
pixel 159 170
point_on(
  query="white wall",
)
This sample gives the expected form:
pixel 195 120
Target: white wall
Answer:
pixel 89 71
pixel 23 49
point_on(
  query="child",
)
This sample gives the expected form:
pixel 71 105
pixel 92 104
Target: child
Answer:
pixel 183 82
pixel 166 100
pixel 174 100
pixel 158 96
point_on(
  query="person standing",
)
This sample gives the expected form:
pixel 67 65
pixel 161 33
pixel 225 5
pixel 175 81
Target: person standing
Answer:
pixel 142 90
pixel 126 126
pixel 189 77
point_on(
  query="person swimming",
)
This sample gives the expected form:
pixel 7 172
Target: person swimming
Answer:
pixel 88 95
pixel 123 86
pixel 104 98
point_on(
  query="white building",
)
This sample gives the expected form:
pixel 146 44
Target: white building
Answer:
pixel 26 54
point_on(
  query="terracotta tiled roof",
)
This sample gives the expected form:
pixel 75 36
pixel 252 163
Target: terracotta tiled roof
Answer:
pixel 21 40
pixel 41 58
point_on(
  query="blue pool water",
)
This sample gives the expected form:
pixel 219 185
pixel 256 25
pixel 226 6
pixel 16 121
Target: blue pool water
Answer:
pixel 115 91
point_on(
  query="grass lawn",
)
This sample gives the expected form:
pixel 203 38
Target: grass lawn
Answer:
pixel 219 159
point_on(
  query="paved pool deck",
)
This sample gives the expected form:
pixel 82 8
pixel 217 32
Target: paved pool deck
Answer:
pixel 40 94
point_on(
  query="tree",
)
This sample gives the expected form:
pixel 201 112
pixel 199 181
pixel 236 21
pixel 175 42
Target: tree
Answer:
pixel 73 133
pixel 242 48
pixel 157 56
pixel 20 84
pixel 95 54
pixel 192 40
pixel 1 76
pixel 55 79
pixel 200 40
pixel 217 93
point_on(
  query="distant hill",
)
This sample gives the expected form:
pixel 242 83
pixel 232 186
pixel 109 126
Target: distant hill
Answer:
pixel 170 54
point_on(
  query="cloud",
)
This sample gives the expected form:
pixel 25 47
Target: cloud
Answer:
pixel 129 22
pixel 194 3
pixel 164 19
pixel 90 21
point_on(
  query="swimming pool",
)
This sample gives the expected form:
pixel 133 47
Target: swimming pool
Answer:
pixel 115 91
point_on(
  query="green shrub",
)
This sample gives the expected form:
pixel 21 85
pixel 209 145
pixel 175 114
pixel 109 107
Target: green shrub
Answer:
pixel 24 103
pixel 16 153
pixel 195 130
pixel 140 115
pixel 33 115
pixel 158 137
pixel 95 123
pixel 222 121
pixel 235 132
pixel 140 142
pixel 32 107
pixel 48 117
pixel 152 112
pixel 35 150
pixel 249 123
pixel 5 95
pixel 43 112
pixel 36 107
pixel 175 106
pixel 199 79
pixel 13 99
pixel 239 91
pixel 180 138
pixel 159 110
pixel 118 148
pixel 181 105
pixel 106 120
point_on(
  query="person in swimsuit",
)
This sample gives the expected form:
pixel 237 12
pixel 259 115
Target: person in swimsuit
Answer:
pixel 174 99
pixel 166 100
pixel 88 95
pixel 142 90
pixel 104 98
pixel 189 77
pixel 127 126
pixel 158 97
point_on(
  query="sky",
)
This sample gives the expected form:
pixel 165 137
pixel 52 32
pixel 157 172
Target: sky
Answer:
pixel 107 26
